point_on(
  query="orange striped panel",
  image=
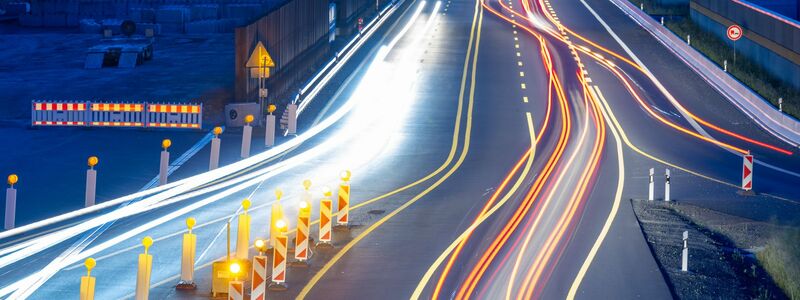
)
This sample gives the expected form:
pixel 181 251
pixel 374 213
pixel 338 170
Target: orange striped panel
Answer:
pixel 59 106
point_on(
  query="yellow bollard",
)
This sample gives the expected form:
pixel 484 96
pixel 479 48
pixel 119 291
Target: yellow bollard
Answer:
pixel 87 282
pixel 187 258
pixel 279 258
pixel 258 285
pixel 145 270
pixel 235 287
pixel 243 233
pixel 301 251
pixel 344 201
pixel 276 214
pixel 325 212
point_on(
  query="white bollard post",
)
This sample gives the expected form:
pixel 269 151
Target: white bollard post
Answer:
pixel 144 271
pixel 666 186
pixel 725 65
pixel 243 233
pixel 162 170
pixel 215 144
pixel 651 185
pixel 187 258
pixel 641 6
pixel 247 135
pixel 780 104
pixel 91 182
pixel 662 21
pixel 689 39
pixel 292 127
pixel 11 202
pixel 685 254
pixel 269 132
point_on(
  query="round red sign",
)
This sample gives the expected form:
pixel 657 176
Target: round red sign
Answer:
pixel 735 32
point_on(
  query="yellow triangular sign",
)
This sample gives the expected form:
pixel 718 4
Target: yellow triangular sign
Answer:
pixel 260 58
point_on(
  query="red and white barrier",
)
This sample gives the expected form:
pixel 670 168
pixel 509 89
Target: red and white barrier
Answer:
pixel 258 287
pixel 325 221
pixel 344 200
pixel 301 251
pixel 747 173
pixel 279 258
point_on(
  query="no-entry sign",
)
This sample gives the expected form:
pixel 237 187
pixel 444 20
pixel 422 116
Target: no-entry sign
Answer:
pixel 735 32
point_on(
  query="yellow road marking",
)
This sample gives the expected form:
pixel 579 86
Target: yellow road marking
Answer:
pixel 476 35
pixel 435 266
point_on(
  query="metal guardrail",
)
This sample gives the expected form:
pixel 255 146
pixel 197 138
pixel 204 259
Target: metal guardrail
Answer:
pixel 753 105
pixel 116 114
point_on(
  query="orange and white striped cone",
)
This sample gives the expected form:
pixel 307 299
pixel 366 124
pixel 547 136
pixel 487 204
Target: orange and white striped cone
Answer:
pixel 279 258
pixel 187 258
pixel 325 221
pixel 258 287
pixel 343 217
pixel 301 251
pixel 144 271
pixel 88 282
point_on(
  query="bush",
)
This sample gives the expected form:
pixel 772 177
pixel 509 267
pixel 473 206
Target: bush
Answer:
pixel 781 259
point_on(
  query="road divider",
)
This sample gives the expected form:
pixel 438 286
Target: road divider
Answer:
pixel 116 114
pixel 325 220
pixel 747 173
pixel 258 281
pixel 247 135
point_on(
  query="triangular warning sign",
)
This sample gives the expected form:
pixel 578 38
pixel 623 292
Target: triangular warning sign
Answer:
pixel 260 58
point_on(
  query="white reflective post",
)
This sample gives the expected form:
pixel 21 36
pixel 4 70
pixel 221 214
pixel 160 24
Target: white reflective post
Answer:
pixel 269 135
pixel 214 160
pixel 11 207
pixel 162 170
pixel 247 134
pixel 666 186
pixel 91 186
pixel 685 254
pixel 651 185
pixel 292 119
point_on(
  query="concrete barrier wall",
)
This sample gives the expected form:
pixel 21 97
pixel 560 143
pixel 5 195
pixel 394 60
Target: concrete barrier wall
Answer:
pixel 287 32
pixel 771 40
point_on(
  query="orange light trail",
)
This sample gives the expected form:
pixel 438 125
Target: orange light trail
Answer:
pixel 477 272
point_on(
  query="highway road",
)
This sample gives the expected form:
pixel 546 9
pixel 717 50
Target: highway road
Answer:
pixel 495 146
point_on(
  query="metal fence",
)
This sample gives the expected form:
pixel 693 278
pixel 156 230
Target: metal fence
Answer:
pixel 111 114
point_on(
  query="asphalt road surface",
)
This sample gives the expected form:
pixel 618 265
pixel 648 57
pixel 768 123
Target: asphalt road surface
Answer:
pixel 494 147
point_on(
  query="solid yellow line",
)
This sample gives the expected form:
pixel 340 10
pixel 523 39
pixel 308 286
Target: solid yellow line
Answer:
pixel 439 260
pixel 458 163
pixel 614 208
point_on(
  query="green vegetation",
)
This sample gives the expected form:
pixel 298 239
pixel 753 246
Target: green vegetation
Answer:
pixel 744 69
pixel 781 259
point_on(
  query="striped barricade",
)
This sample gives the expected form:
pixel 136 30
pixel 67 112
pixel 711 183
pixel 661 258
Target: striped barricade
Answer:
pixel 175 115
pixel 117 114
pixel 51 113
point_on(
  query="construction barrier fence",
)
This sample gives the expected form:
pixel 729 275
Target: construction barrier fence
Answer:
pixel 111 114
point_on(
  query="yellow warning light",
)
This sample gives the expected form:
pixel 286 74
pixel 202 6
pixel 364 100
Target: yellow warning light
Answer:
pixel 93 161
pixel 89 263
pixel 217 130
pixel 306 184
pixel 166 143
pixel 303 205
pixel 278 194
pixel 235 268
pixel 271 108
pixel 246 204
pixel 345 175
pixel 12 179
pixel 326 191
pixel 147 242
pixel 190 223
pixel 280 224
pixel 260 244
pixel 248 119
